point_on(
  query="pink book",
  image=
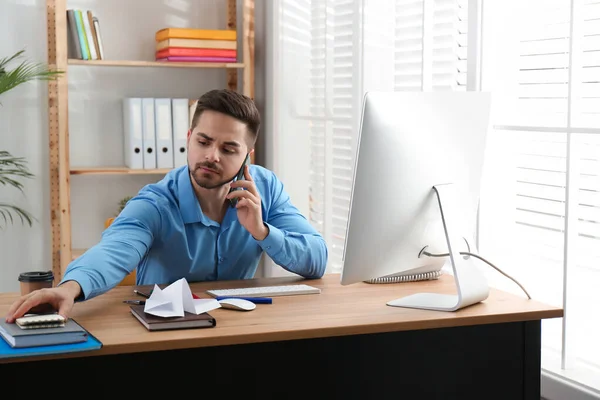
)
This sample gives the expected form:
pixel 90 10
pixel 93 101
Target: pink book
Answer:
pixel 198 59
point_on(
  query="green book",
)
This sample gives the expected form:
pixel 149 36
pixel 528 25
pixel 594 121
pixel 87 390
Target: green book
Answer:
pixel 83 35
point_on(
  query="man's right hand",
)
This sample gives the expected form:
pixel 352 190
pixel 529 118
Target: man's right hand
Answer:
pixel 60 298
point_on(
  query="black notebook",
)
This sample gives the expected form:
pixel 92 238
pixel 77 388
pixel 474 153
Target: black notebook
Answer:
pixel 188 321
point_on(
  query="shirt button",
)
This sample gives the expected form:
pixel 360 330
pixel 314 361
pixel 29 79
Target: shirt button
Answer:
pixel 221 259
pixel 268 247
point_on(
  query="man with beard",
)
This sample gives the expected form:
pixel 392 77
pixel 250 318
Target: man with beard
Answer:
pixel 198 222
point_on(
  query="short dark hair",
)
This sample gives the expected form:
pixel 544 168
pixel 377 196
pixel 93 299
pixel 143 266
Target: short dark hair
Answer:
pixel 231 103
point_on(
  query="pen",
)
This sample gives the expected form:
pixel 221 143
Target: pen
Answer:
pixel 255 300
pixel 143 294
pixel 138 302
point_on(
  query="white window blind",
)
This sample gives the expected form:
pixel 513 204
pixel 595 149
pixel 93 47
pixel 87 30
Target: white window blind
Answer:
pixel 338 49
pixel 332 113
pixel 541 214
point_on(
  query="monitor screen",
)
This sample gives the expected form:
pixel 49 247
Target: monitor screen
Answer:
pixel 409 143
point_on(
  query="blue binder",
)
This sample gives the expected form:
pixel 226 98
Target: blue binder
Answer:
pixel 6 351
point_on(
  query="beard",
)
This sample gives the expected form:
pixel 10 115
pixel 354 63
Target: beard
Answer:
pixel 208 180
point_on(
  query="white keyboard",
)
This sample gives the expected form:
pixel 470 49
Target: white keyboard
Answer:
pixel 266 291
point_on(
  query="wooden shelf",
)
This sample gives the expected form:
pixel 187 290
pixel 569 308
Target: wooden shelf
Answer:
pixel 60 170
pixel 160 64
pixel 117 171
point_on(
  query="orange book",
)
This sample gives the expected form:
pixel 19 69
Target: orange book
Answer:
pixel 189 33
pixel 197 43
pixel 181 51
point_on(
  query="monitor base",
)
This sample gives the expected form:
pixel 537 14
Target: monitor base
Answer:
pixel 427 301
pixel 471 285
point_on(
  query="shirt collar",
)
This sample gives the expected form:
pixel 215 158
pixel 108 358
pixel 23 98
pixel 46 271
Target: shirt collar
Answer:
pixel 190 209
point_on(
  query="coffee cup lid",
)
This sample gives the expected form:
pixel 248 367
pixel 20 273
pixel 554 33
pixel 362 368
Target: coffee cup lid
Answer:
pixel 36 276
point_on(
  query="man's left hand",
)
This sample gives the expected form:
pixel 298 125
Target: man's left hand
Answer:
pixel 249 210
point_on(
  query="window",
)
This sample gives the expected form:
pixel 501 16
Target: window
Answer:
pixel 540 208
pixel 540 217
pixel 338 49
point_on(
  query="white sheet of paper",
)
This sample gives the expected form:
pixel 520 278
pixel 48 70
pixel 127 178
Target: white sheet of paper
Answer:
pixel 175 299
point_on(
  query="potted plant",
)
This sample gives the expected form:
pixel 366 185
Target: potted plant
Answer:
pixel 122 204
pixel 13 169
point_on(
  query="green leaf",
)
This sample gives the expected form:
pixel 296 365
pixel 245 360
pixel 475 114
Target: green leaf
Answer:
pixel 11 170
pixel 6 215
pixel 14 169
pixel 24 72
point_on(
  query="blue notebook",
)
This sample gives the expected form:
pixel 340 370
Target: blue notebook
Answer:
pixel 8 352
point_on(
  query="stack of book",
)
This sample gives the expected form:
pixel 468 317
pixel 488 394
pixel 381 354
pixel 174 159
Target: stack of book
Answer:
pixel 196 45
pixel 35 335
pixel 85 42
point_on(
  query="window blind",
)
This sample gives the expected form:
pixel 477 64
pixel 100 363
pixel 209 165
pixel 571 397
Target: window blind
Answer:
pixel 348 47
pixel 332 114
pixel 550 132
pixel 588 114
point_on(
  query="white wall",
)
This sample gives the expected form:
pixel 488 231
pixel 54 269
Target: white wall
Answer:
pixel 95 93
pixel 23 132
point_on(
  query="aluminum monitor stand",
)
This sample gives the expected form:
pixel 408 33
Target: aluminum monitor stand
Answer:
pixel 471 285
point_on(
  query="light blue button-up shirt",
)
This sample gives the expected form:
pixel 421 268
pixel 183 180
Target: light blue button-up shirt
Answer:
pixel 163 232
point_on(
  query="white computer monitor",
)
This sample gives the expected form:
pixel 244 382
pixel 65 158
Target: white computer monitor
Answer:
pixel 416 185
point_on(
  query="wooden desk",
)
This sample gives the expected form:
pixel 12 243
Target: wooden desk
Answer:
pixel 343 343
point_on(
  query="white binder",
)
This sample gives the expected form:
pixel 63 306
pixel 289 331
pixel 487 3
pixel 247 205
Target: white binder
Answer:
pixel 192 110
pixel 132 133
pixel 181 112
pixel 164 133
pixel 148 133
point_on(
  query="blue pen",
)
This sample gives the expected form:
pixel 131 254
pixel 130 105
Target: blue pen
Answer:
pixel 255 300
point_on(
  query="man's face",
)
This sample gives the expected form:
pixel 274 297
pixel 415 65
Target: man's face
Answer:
pixel 217 147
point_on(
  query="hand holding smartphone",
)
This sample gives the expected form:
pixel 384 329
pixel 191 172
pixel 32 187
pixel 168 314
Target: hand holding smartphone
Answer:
pixel 240 175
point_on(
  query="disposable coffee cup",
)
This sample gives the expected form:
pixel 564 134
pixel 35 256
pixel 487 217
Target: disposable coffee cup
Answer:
pixel 34 280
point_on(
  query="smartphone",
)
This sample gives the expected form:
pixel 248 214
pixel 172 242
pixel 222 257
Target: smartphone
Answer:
pixel 41 321
pixel 240 175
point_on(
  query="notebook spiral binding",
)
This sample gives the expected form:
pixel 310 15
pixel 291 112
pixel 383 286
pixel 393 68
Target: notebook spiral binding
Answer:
pixel 426 276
